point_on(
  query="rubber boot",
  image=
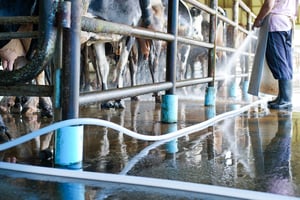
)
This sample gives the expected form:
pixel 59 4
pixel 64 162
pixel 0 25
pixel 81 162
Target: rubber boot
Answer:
pixel 275 101
pixel 285 98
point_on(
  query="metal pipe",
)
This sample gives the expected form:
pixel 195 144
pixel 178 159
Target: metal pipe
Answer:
pixel 212 36
pixel 14 35
pixel 102 26
pixel 172 46
pixel 19 20
pixel 73 102
pixel 69 147
pixel 101 96
pixel 45 49
pixel 106 95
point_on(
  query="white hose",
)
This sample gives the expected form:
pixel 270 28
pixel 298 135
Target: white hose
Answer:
pixel 100 122
pixel 141 181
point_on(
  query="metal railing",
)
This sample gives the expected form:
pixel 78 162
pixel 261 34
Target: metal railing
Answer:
pixel 110 27
pixel 115 28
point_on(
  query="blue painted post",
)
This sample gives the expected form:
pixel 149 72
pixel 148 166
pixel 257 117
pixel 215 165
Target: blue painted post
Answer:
pixel 232 89
pixel 69 147
pixel 171 146
pixel 210 96
pixel 74 191
pixel 169 108
pixel 245 94
pixel 210 112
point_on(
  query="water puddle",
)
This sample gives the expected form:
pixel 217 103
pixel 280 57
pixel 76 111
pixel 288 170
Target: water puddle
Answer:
pixel 257 150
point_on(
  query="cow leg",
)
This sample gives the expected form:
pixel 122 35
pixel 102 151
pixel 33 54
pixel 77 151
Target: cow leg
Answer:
pixel 103 68
pixel 183 57
pixel 153 65
pixel 133 59
pixel 45 103
pixel 30 106
pixel 85 75
pixel 184 53
pixel 121 66
pixel 92 57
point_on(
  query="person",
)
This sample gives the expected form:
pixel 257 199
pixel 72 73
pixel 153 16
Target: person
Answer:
pixel 281 15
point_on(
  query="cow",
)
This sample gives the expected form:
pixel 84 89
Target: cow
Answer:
pixel 155 56
pixel 13 53
pixel 131 12
pixel 199 55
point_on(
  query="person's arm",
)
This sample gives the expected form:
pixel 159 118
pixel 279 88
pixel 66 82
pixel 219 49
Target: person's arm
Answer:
pixel 264 11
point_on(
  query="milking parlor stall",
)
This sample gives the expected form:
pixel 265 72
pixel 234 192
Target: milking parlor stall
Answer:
pixel 89 67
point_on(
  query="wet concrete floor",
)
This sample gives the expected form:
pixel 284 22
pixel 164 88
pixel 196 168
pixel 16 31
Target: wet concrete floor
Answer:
pixel 257 150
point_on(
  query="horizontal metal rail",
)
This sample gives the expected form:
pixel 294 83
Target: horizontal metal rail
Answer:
pixel 26 90
pixel 125 92
pixel 101 26
pixel 19 20
pixel 19 35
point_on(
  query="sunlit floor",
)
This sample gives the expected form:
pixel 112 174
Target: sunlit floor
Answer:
pixel 257 150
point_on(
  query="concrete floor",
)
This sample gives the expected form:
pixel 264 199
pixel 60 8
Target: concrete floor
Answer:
pixel 232 153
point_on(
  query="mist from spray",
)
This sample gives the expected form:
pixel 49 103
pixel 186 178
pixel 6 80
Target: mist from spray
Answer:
pixel 234 58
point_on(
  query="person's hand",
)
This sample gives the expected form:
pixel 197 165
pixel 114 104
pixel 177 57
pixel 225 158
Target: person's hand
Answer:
pixel 257 23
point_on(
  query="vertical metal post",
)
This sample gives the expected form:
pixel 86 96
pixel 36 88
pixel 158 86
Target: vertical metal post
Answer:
pixel 172 46
pixel 69 140
pixel 210 93
pixel 245 86
pixel 170 100
pixel 232 86
pixel 72 64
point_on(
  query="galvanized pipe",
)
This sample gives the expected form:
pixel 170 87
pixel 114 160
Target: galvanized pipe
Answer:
pixel 19 20
pixel 101 26
pixel 70 108
pixel 172 46
pixel 14 35
pixel 92 97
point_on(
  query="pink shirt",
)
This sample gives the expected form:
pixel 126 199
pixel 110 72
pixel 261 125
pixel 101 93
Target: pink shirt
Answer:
pixel 282 14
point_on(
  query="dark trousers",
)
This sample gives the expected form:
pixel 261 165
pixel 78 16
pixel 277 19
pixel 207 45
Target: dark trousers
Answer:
pixel 279 54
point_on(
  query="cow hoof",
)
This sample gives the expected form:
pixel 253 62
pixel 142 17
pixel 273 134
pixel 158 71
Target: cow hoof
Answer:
pixel 47 113
pixel 29 111
pixel 4 135
pixel 107 105
pixel 119 104
pixel 17 108
pixel 46 155
pixel 135 98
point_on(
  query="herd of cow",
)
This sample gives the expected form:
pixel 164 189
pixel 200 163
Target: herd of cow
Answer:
pixel 104 49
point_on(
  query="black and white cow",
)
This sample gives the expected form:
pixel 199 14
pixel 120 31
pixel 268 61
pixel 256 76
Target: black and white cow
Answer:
pixel 130 12
pixel 199 55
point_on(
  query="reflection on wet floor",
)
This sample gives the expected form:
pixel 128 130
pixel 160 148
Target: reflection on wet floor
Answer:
pixel 257 150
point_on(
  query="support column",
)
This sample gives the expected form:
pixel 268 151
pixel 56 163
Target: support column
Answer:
pixel 69 140
pixel 232 85
pixel 210 93
pixel 170 100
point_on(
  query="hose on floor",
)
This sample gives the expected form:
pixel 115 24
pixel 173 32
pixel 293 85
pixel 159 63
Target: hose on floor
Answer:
pixel 108 124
